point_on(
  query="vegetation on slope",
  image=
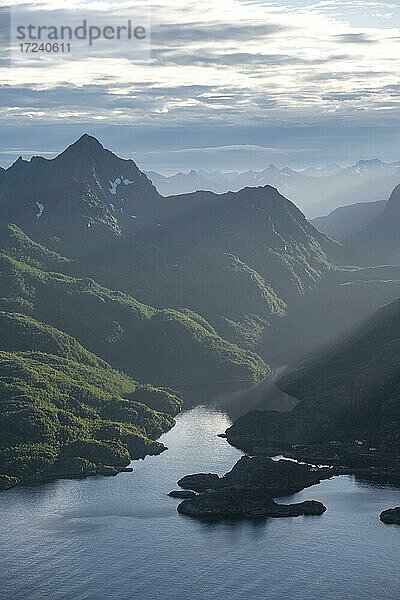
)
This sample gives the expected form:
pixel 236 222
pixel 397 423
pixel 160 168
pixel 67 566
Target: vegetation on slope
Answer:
pixel 70 413
pixel 163 346
pixel 17 244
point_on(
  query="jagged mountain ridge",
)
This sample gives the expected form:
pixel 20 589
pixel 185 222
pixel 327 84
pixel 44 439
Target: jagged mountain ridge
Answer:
pixel 169 251
pixel 85 187
pixel 254 249
pixel 315 191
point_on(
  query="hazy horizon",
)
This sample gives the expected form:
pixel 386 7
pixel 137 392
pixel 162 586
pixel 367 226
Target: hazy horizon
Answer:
pixel 187 164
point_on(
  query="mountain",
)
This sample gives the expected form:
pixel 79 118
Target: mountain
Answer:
pixel 254 249
pixel 325 171
pixel 105 214
pixel 85 187
pixel 288 181
pixel 345 221
pixel 355 382
pixel 380 237
pixel 112 295
pixel 270 271
pixel 367 181
pixel 168 346
pixel 315 191
pixel 342 300
pixel 349 391
pixel 185 183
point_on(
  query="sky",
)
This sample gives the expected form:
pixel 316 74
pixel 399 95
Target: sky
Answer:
pixel 229 84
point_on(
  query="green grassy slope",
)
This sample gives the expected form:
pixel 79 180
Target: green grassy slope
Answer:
pixel 65 411
pixel 162 346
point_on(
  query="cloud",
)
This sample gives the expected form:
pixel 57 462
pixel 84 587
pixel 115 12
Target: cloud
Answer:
pixel 355 38
pixel 215 65
pixel 195 32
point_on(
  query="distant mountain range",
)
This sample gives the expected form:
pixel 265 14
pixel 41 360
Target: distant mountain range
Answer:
pixel 316 191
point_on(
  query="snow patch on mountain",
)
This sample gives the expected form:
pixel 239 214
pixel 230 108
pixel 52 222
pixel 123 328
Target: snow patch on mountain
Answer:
pixel 117 182
pixel 40 208
pixel 95 178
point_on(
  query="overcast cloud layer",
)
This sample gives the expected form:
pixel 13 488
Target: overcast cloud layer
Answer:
pixel 236 83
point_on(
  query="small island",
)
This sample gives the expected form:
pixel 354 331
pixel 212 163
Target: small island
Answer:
pixel 249 489
pixel 276 477
pixel 232 502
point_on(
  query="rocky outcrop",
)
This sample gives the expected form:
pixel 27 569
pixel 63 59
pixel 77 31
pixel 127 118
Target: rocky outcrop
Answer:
pixel 391 516
pixel 249 488
pixel 250 503
pixel 7 482
pixel 182 494
pixel 275 478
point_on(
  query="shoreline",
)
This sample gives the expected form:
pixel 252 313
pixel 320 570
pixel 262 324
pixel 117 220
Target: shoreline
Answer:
pixel 379 467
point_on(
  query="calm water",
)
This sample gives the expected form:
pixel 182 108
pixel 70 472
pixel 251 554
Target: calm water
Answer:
pixel 122 539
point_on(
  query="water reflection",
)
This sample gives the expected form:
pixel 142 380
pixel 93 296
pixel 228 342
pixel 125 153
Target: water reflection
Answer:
pixel 122 538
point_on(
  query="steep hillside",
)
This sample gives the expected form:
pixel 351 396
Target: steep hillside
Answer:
pixel 64 412
pixel 381 236
pixel 349 391
pixel 162 346
pixel 346 221
pixel 342 300
pixel 17 244
pixel 254 250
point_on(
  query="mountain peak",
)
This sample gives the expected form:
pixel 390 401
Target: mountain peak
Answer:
pixel 370 162
pixel 394 200
pixel 85 150
pixel 18 164
pixel 87 141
